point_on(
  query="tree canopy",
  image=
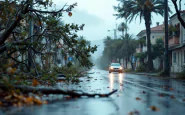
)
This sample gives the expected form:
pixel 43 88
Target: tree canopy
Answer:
pixel 131 9
pixel 34 26
pixel 178 11
pixel 117 49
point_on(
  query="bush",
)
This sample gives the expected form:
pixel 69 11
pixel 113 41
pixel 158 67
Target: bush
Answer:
pixel 181 74
pixel 162 73
pixel 71 72
pixel 141 68
pixel 128 70
pixel 67 70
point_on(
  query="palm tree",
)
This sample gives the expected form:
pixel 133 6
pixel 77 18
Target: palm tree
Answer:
pixel 141 42
pixel 130 9
pixel 110 47
pixel 123 28
pixel 127 48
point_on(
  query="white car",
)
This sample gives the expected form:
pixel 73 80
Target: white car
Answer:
pixel 115 67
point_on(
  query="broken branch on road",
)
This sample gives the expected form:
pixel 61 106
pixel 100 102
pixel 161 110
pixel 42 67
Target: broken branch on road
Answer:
pixel 28 89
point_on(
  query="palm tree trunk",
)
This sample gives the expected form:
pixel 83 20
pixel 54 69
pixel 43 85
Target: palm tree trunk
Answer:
pixel 147 18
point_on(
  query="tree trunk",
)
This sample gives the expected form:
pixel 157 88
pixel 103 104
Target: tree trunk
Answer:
pixel 45 90
pixel 161 64
pixel 123 63
pixel 126 62
pixel 147 18
pixel 132 65
pixel 142 61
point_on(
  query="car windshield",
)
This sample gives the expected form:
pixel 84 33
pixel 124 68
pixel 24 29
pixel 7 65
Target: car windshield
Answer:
pixel 115 64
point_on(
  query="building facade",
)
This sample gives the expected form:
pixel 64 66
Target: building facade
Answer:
pixel 157 32
pixel 176 44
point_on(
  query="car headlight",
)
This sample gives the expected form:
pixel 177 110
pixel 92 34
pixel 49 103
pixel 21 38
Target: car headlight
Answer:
pixel 120 68
pixel 111 67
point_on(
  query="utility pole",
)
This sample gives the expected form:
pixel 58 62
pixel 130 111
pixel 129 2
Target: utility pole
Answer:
pixel 166 62
pixel 115 32
pixel 30 62
pixel 115 35
pixel 179 5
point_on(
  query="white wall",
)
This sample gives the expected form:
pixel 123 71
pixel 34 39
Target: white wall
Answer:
pixel 154 36
pixel 144 48
pixel 177 66
pixel 156 63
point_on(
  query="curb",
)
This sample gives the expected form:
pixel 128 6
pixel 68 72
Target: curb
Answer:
pixel 154 75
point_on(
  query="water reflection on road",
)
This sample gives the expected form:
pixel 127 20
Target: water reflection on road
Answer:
pixel 113 77
pixel 130 98
pixel 111 81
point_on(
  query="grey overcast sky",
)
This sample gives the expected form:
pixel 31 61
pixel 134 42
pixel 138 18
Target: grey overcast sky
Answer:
pixel 97 15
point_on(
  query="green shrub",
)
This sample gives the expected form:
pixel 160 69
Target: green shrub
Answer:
pixel 68 70
pixel 49 77
pixel 162 73
pixel 71 72
pixel 141 68
pixel 181 74
pixel 128 70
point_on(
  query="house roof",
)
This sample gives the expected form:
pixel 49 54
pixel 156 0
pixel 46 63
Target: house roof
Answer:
pixel 176 47
pixel 182 12
pixel 159 28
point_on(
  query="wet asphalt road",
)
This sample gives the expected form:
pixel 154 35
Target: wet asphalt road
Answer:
pixel 135 96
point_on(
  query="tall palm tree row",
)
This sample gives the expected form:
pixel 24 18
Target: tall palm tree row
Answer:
pixel 131 9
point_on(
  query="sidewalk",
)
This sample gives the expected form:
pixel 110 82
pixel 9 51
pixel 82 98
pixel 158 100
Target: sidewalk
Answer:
pixel 148 74
pixel 172 76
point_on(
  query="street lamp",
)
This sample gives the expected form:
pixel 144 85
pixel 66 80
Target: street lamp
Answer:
pixel 115 33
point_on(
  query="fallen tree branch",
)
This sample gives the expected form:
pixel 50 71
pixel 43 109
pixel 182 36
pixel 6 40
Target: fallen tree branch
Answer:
pixel 28 89
pixel 14 24
pixel 19 61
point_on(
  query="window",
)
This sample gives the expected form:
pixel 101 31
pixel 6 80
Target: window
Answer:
pixel 174 57
pixel 115 64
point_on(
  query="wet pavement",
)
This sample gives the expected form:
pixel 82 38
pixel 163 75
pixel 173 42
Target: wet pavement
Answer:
pixel 136 95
